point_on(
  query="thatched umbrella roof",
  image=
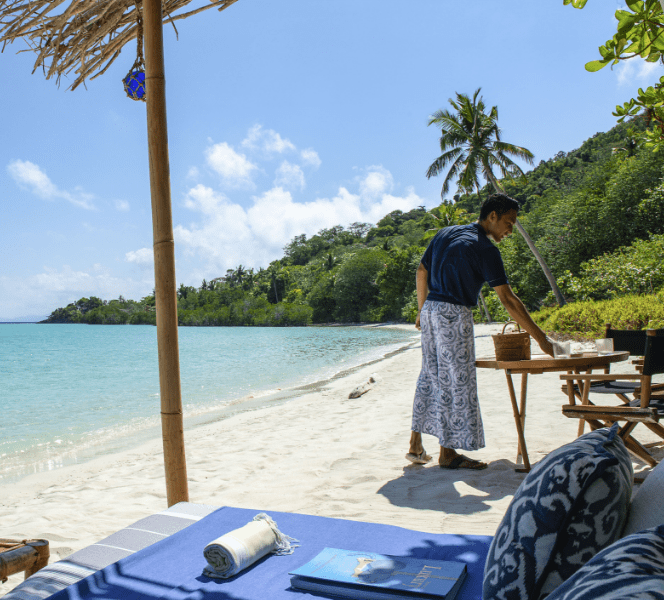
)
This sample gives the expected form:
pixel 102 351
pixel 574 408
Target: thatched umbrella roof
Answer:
pixel 84 37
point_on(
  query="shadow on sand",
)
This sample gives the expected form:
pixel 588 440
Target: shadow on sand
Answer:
pixel 463 491
pixel 459 491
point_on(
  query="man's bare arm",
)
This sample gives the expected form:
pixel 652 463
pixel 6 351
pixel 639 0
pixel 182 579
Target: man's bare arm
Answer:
pixel 422 290
pixel 520 314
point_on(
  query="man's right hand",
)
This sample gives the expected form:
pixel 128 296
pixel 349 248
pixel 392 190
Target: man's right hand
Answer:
pixel 417 321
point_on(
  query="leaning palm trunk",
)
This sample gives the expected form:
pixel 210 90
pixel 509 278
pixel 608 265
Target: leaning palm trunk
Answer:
pixel 486 309
pixel 547 272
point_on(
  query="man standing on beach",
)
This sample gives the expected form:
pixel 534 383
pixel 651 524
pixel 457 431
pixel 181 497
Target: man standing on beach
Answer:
pixel 457 262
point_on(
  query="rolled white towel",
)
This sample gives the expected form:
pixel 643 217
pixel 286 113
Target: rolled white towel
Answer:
pixel 240 548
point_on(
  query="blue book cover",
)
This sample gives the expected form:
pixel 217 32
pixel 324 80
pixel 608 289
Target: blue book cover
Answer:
pixel 367 575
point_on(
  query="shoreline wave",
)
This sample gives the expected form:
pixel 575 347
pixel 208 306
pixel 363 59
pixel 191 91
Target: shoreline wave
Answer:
pixel 104 441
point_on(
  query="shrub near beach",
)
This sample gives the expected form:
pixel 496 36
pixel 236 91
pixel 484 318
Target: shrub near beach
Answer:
pixel 588 319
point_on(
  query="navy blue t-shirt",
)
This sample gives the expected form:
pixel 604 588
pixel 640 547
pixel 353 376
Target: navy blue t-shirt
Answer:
pixel 459 260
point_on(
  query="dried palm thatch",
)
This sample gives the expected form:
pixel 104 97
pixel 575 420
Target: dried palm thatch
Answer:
pixel 87 36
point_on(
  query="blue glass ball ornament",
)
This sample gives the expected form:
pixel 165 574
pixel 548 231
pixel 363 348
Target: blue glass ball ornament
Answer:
pixel 134 85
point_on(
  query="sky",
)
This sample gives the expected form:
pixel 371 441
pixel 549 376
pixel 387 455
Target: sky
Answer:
pixel 283 118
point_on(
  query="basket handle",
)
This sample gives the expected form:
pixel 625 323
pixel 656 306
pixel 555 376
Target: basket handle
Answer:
pixel 511 323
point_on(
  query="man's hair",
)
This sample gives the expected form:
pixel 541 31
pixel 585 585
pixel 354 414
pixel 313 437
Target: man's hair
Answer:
pixel 501 203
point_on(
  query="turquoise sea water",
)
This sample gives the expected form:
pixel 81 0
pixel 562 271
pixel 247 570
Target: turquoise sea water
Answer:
pixel 72 392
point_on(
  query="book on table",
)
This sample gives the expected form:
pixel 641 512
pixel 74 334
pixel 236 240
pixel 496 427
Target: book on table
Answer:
pixel 367 575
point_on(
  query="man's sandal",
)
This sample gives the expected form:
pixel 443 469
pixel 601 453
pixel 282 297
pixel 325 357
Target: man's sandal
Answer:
pixel 418 459
pixel 463 462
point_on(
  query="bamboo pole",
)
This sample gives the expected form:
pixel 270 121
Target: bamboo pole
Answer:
pixel 164 258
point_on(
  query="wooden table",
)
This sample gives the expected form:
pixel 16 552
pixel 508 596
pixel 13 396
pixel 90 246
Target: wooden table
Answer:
pixel 538 364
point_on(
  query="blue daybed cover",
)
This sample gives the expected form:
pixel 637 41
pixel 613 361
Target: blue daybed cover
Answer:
pixel 172 568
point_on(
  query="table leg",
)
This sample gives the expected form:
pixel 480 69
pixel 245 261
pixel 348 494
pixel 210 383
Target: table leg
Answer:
pixel 522 409
pixel 519 423
pixel 582 423
pixel 584 398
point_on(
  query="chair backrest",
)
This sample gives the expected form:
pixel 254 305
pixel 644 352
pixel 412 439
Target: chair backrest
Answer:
pixel 632 340
pixel 653 361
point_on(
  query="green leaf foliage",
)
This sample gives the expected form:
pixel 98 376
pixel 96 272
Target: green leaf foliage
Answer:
pixel 639 33
pixel 355 289
pixel 396 281
pixel 596 214
pixel 588 319
pixel 634 269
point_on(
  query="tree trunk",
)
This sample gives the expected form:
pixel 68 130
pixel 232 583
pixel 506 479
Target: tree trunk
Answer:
pixel 547 272
pixel 486 310
pixel 531 245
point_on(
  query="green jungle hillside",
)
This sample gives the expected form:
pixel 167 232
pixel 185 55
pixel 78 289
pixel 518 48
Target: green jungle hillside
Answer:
pixel 596 214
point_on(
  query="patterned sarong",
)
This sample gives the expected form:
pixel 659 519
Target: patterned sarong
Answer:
pixel 445 404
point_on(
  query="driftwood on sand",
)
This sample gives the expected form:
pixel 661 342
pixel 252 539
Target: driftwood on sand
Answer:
pixel 84 37
pixel 362 389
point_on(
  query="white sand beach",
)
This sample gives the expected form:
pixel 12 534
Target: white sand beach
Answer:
pixel 320 454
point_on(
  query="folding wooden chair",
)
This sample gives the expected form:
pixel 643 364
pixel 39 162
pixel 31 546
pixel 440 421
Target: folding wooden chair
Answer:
pixel 624 340
pixel 639 410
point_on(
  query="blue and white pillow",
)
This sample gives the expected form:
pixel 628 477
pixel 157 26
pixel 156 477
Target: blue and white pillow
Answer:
pixel 632 567
pixel 571 505
pixel 647 508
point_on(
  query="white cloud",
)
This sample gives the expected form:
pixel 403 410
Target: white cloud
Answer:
pixel 122 205
pixel 290 176
pixel 234 168
pixel 193 173
pixel 29 176
pixel 376 182
pixel 253 137
pixel 227 234
pixel 310 157
pixel 637 71
pixel 222 237
pixel 268 141
pixel 42 293
pixel 141 257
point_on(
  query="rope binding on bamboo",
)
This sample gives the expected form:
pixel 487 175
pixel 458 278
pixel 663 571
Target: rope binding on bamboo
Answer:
pixel 7 545
pixel 134 81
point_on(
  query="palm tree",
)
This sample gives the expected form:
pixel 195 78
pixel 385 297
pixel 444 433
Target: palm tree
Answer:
pixel 330 261
pixel 274 272
pixel 471 147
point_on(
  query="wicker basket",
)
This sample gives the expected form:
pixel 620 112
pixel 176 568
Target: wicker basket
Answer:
pixel 513 345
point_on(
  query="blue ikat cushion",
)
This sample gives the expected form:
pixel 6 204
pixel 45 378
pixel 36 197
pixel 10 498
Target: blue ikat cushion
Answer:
pixel 632 567
pixel 647 508
pixel 571 505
